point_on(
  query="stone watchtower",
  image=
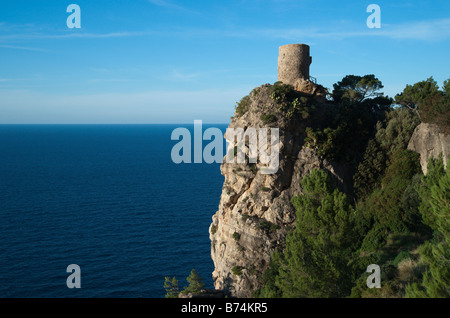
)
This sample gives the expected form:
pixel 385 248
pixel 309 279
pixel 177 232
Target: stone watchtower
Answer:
pixel 293 63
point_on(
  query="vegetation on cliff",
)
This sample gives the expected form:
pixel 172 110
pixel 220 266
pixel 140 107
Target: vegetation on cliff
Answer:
pixel 195 286
pixel 349 194
pixel 395 217
pixel 429 102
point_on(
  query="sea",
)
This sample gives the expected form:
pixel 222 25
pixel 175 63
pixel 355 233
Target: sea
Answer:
pixel 108 198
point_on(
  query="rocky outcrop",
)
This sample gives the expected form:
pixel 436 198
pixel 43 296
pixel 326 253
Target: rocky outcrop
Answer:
pixel 255 211
pixel 318 91
pixel 429 141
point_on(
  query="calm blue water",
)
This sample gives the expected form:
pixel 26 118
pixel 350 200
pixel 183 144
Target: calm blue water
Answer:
pixel 105 197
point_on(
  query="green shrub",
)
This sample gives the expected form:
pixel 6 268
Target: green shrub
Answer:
pixel 268 118
pixel 253 167
pixel 243 105
pixel 400 257
pixel 237 270
pixel 267 226
pixel 256 91
pixel 236 236
pixel 280 91
pixel 291 102
pixel 375 239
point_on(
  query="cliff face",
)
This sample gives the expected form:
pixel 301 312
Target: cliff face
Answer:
pixel 429 142
pixel 255 211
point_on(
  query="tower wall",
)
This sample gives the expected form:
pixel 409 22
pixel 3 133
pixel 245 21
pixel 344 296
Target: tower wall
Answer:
pixel 293 63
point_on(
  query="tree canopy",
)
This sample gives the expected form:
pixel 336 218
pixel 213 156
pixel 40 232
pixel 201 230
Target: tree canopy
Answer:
pixel 357 88
pixel 431 104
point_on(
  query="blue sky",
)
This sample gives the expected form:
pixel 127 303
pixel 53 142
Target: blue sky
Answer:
pixel 173 61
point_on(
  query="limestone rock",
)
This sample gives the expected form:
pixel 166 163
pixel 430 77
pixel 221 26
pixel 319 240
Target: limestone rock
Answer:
pixel 255 211
pixel 429 142
pixel 311 88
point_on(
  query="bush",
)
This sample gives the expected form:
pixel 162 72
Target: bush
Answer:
pixel 280 91
pixel 291 102
pixel 375 239
pixel 243 105
pixel 400 257
pixel 237 270
pixel 323 141
pixel 268 118
pixel 267 226
pixel 344 136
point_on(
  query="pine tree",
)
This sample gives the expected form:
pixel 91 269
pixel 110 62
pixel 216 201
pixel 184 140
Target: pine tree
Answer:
pixel 315 261
pixel 195 283
pixel 171 287
pixel 370 170
pixel 385 203
pixel 435 170
pixel 435 208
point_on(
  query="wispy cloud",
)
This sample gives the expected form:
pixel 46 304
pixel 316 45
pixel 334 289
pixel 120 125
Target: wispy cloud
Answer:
pixel 433 30
pixel 165 4
pixel 69 35
pixel 26 48
pixel 172 6
pixel 21 32
pixel 97 35
pixel 178 76
pixel 429 30
pixel 109 80
pixel 420 30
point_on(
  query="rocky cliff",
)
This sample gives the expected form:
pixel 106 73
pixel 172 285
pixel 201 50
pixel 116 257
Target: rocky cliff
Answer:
pixel 255 211
pixel 429 141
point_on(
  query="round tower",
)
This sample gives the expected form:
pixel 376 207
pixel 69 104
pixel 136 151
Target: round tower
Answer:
pixel 293 63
